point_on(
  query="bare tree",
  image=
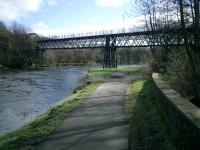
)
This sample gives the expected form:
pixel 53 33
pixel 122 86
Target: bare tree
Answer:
pixel 176 14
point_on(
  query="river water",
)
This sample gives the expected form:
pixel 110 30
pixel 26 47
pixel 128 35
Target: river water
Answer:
pixel 24 95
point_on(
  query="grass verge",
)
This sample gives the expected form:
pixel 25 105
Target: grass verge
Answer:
pixel 30 135
pixel 147 129
pixel 103 73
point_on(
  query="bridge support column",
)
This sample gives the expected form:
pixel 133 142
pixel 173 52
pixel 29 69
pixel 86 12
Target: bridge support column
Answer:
pixel 110 53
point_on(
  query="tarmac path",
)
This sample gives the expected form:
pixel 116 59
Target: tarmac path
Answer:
pixel 99 123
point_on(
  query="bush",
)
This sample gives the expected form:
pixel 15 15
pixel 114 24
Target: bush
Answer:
pixel 180 73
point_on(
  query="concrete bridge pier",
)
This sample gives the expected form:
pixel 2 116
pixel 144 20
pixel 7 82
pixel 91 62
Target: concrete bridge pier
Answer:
pixel 110 53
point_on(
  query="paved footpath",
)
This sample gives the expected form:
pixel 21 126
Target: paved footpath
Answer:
pixel 99 123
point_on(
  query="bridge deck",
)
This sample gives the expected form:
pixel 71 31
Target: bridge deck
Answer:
pixel 171 37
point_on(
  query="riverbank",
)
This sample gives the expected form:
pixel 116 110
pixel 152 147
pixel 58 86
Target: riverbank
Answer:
pixel 33 133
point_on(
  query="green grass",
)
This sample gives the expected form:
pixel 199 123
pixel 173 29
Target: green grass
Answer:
pixel 131 70
pixel 104 73
pixel 35 132
pixel 147 129
pixel 99 72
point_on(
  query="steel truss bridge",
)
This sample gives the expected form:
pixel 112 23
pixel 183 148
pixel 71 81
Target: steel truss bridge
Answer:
pixel 110 42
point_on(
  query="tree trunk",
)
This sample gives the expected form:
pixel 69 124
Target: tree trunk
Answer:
pixel 196 26
pixel 188 52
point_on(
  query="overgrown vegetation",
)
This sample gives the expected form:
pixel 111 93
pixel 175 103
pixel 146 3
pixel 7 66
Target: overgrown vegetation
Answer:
pixel 17 47
pixel 179 73
pixel 181 63
pixel 147 130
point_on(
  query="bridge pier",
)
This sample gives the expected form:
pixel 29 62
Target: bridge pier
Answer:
pixel 110 53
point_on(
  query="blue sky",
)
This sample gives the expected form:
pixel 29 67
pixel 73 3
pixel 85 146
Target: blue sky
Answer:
pixel 50 17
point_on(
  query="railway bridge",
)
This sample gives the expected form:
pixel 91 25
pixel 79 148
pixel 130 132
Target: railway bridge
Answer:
pixel 111 41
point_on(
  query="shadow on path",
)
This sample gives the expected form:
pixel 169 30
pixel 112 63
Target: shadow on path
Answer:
pixel 100 123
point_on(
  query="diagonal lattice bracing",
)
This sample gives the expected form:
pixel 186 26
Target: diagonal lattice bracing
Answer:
pixel 135 39
pixel 111 41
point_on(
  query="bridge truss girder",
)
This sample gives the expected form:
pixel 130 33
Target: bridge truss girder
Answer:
pixel 112 41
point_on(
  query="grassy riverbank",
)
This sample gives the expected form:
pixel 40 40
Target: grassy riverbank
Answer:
pixel 147 129
pixel 32 134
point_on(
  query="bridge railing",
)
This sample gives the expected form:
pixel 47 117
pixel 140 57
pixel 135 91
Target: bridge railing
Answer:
pixel 95 33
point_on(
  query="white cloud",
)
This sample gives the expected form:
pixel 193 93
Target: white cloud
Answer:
pixel 51 2
pixel 94 19
pixel 110 3
pixel 43 29
pixel 69 4
pixel 134 23
pixel 13 10
pixel 40 25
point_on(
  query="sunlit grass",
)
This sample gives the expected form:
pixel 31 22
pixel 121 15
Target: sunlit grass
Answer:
pixel 100 72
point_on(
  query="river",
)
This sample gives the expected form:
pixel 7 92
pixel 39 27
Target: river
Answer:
pixel 25 95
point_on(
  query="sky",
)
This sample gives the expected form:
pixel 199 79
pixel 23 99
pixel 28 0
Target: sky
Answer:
pixel 59 17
